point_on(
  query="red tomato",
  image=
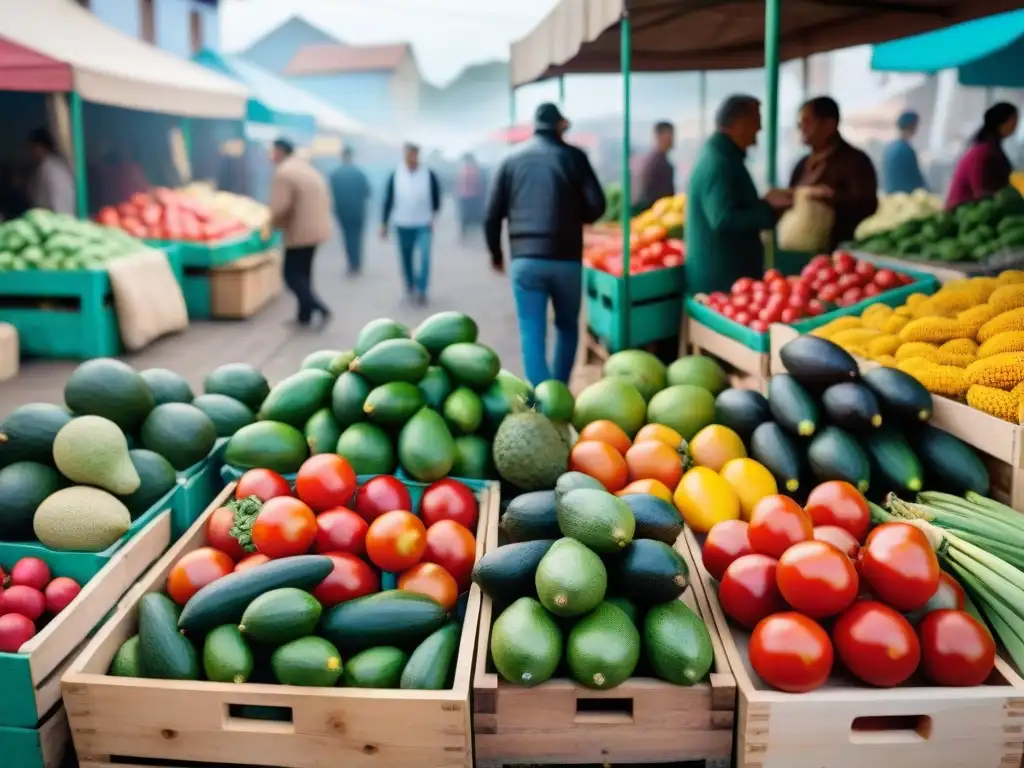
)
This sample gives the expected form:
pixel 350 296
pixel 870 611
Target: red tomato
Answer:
pixel 15 631
pixel 742 285
pixel 749 590
pixel 871 290
pixel 729 311
pixel 817 579
pixel 779 287
pixel 381 494
pixel 396 541
pixel 790 315
pixel 899 565
pixel 432 580
pixel 956 649
pixel 60 593
pixel 341 530
pixel 769 315
pixel 776 524
pixel 798 300
pixel 826 274
pixel 844 261
pixel 839 503
pixel 849 281
pixel 256 558
pixel 758 325
pixel 218 533
pixel 718 297
pixel 264 484
pixel 949 594
pixel 840 538
pixel 453 547
pixel 876 644
pixel 851 296
pixel 351 578
pixel 791 652
pixel 284 527
pixel 29 572
pixel 865 269
pixel 743 318
pixel 829 293
pixel 449 500
pixel 773 274
pixel 886 279
pixel 24 601
pixel 325 481
pixel 741 301
pixel 195 570
pixel 725 542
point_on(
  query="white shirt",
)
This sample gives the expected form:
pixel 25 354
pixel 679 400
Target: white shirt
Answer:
pixel 53 186
pixel 412 205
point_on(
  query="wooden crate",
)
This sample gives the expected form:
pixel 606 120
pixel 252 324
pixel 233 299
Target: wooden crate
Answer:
pixel 644 720
pixel 242 288
pixel 117 721
pixel 844 724
pixel 747 367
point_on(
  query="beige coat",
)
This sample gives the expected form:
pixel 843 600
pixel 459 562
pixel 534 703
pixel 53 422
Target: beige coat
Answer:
pixel 300 203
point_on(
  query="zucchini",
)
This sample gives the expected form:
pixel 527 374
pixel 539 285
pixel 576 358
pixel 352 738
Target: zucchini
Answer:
pixel 852 406
pixel 401 619
pixel 900 395
pixel 893 459
pixel 817 363
pixel 834 455
pixel 742 410
pixel 164 652
pixel 792 406
pixel 779 452
pixel 225 600
pixel 433 662
pixel 951 464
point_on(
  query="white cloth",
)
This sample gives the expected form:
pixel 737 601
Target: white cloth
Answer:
pixel 53 186
pixel 413 206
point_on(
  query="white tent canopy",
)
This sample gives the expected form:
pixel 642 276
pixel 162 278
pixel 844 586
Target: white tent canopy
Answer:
pixel 117 70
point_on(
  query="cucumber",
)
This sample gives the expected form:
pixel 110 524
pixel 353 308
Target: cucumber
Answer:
pixel 852 406
pixel 401 619
pixel 952 465
pixel 164 652
pixel 779 452
pixel 648 572
pixel 280 616
pixel 433 661
pixel 742 410
pixel 817 363
pixel 379 667
pixel 893 459
pixel 507 573
pixel 792 406
pixel 901 396
pixel 225 600
pixel 531 516
pixel 835 455
pixel 309 661
pixel 226 657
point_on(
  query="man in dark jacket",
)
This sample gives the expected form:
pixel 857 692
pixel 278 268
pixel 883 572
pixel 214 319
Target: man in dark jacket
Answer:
pixel 547 190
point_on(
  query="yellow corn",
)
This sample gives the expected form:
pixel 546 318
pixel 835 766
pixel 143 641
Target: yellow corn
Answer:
pixel 914 299
pixel 972 319
pixel 957 296
pixel 854 337
pixel 946 380
pixel 1007 321
pixel 894 323
pixel 876 315
pixel 839 324
pixel 1019 390
pixel 856 351
pixel 904 312
pixel 1011 277
pixel 917 349
pixel 996 402
pixel 960 347
pixel 1007 297
pixel 932 329
pixel 1002 371
pixel 886 360
pixel 886 344
pixel 1007 341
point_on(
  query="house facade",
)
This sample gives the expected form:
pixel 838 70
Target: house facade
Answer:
pixel 181 27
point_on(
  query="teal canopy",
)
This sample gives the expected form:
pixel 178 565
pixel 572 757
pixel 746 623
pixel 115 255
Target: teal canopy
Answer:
pixel 987 52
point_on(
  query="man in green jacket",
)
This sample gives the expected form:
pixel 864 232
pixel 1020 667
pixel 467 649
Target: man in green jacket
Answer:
pixel 724 215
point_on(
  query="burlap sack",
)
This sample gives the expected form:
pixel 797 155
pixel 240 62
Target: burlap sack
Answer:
pixel 147 297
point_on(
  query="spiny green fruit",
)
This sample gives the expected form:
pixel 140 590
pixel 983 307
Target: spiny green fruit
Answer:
pixel 529 452
pixel 93 450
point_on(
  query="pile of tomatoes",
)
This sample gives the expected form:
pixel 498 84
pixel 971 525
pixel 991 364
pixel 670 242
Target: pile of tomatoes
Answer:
pixel 839 280
pixel 166 214
pixel 816 587
pixel 30 596
pixel 367 532
pixel 649 250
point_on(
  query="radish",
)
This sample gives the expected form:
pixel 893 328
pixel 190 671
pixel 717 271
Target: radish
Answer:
pixel 15 631
pixel 24 600
pixel 59 594
pixel 30 572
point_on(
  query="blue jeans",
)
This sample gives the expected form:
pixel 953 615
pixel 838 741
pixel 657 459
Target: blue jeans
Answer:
pixel 352 235
pixel 411 239
pixel 534 283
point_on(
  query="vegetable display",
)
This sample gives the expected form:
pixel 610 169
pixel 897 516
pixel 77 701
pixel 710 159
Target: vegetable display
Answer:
pixel 167 214
pixel 656 240
pixel 896 209
pixel 52 242
pixel 252 213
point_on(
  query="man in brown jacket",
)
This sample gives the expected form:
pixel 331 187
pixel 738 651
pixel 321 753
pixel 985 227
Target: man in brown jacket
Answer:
pixel 300 205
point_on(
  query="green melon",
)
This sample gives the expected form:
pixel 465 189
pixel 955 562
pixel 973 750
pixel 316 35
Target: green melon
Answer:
pixel 615 400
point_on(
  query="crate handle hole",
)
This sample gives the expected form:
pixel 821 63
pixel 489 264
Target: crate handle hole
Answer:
pixel 891 729
pixel 604 711
pixel 261 719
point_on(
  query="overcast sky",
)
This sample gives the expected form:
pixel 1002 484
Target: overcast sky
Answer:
pixel 446 34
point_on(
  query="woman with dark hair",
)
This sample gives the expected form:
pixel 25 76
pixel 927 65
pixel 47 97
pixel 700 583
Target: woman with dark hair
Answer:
pixel 984 168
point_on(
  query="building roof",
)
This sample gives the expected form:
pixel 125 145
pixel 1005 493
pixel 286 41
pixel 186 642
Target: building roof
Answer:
pixel 330 58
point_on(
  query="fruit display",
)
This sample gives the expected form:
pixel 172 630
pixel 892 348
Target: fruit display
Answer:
pixel 668 213
pixel 288 587
pixel 167 214
pixel 969 233
pixel 30 597
pixel 649 250
pixel 52 242
pixel 252 213
pixel 964 342
pixel 899 208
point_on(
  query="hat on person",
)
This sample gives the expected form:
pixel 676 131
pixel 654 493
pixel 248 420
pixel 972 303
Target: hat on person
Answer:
pixel 548 116
pixel 907 119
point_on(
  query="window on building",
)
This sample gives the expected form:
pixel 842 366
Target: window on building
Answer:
pixel 147 21
pixel 195 30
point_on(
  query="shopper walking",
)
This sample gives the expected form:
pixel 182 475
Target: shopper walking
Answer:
pixel 52 184
pixel 300 205
pixel 900 169
pixel 412 198
pixel 351 191
pixel 547 190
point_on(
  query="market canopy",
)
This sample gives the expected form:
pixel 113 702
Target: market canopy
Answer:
pixel 986 52
pixel 582 36
pixel 22 69
pixel 112 68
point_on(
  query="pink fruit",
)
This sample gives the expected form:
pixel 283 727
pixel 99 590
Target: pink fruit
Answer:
pixel 24 600
pixel 15 631
pixel 59 594
pixel 30 572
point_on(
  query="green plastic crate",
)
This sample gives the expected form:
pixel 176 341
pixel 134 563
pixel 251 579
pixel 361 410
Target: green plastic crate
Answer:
pixel 207 255
pixel 197 487
pixel 42 747
pixel 195 285
pixel 655 306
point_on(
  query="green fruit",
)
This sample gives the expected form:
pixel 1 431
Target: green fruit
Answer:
pixel 348 397
pixel 226 657
pixel 393 403
pixel 472 458
pixel 24 485
pixel 444 329
pixel 677 643
pixel 627 607
pixel 555 400
pixel 639 368
pixel 526 643
pixel 506 395
pixel 157 478
pixel 463 410
pixel 240 381
pixel 655 518
pixel 320 360
pixel 603 648
pixel 833 454
pixel 435 385
pixel 376 331
pixel 597 519
pixel 322 432
pixel 126 660
pixel 293 400
pixel 28 431
pixel 612 399
pixel 393 360
pixel 368 449
pixel 379 667
pixel 267 445
pixel 470 364
pixel 280 616
pixel 426 450
pixel 648 572
pixel 396 617
pixel 111 389
pixel 571 580
pixel 164 653
pixel 80 519
pixel 309 661
pixel 227 414
pixel 742 410
pixel 529 452
pixel 93 451
pixel 792 406
pixel 433 661
pixel 509 572
pixel 698 371
pixel 341 362
pixel 167 386
pixel 179 432
pixel 685 408
pixel 570 481
pixel 531 516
